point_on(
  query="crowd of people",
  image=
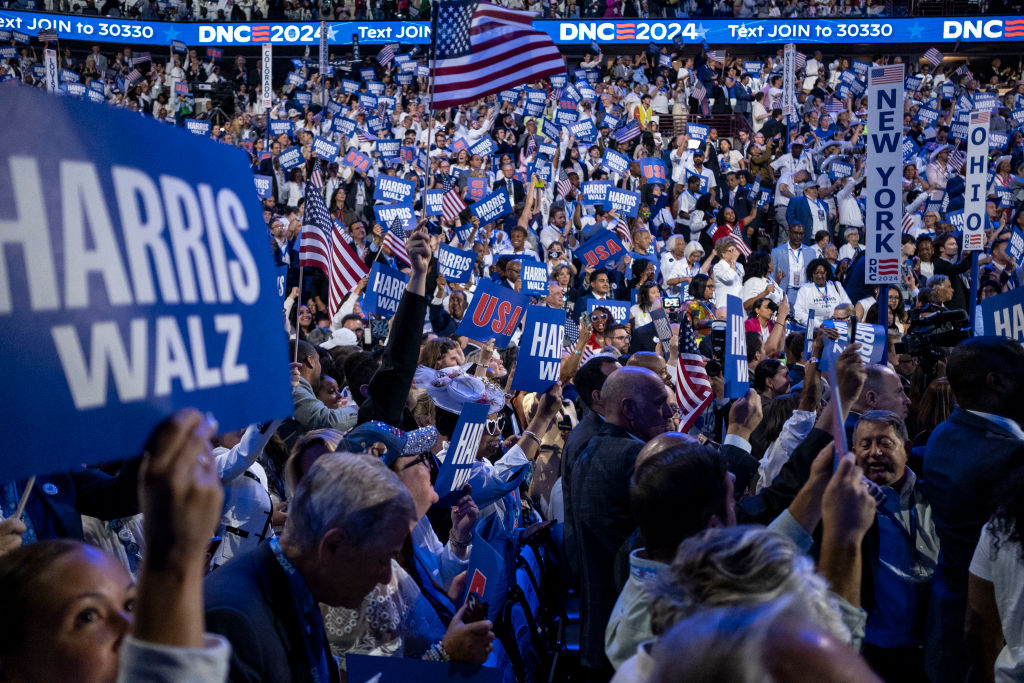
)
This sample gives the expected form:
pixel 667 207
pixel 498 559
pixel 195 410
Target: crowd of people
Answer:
pixel 735 544
pixel 403 10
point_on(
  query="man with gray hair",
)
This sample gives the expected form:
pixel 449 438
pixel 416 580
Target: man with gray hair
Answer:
pixel 904 550
pixel 349 516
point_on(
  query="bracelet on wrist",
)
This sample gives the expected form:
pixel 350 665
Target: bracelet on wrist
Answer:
pixel 460 544
pixel 533 435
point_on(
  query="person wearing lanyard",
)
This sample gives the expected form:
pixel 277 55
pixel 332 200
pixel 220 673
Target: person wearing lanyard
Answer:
pixel 336 547
pixel 821 294
pixel 908 550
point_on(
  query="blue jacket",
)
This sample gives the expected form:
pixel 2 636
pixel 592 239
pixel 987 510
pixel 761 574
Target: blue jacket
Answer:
pixel 966 459
pixel 800 211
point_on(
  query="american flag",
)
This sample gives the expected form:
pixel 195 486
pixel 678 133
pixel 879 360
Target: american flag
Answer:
pixel 716 55
pixel 886 75
pixel 452 203
pixel 140 58
pixel 531 147
pixel 315 239
pixel 394 239
pixel 564 184
pixel 572 330
pixel 482 49
pixel 387 54
pixel 693 388
pixel 800 60
pixel 46 35
pixel 962 70
pixel 347 269
pixel 134 76
pixel 382 109
pixel 956 159
pixel 907 223
pixel 700 94
pixel 365 137
pixel 622 230
pixel 316 177
pixel 933 56
pixel 627 132
pixel 727 231
pixel 834 106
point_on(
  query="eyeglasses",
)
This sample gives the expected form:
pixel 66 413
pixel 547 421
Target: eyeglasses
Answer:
pixel 421 459
pixel 598 316
pixel 496 425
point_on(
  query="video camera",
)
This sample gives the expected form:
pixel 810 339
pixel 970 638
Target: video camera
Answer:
pixel 927 335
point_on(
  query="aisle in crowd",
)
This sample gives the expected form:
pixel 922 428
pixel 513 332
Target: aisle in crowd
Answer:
pixel 632 519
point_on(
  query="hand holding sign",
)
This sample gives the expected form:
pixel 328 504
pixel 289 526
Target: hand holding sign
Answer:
pixel 464 516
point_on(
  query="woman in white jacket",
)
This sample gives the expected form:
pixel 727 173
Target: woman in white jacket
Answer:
pixel 821 294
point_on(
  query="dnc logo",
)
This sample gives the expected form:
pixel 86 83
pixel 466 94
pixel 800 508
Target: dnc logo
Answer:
pixel 981 29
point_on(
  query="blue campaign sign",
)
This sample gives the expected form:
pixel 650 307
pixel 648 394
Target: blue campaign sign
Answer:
pixel 342 125
pixel 840 169
pixel 751 67
pixel 509 96
pixel 375 87
pixel 737 377
pixel 610 121
pixel 198 127
pixel 534 276
pixel 434 202
pixel 455 265
pixel 303 98
pixel 349 86
pixel 550 130
pixel 584 131
pixel 494 313
pixel 547 148
pixel 534 109
pixel 698 131
pixel 1017 115
pixel 281 128
pixel 566 117
pixel 295 79
pixel 404 669
pixel 291 158
pixel 927 115
pixel 264 186
pixel 384 289
pixel 357 160
pixel 368 101
pixel 107 316
pixel 389 149
pixel 1003 315
pixel 391 188
pixel 484 147
pixel 596 191
pixel 385 214
pixel 540 355
pixel 998 140
pixel 626 202
pixel 325 149
pixel 619 309
pixel 493 206
pixel 654 171
pixel 603 249
pixel 615 162
pixel 1016 246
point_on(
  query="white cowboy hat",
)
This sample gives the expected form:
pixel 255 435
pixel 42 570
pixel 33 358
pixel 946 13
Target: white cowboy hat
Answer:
pixel 452 388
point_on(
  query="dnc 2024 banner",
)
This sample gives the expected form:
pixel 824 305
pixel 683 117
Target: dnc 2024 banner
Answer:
pixel 879 30
pixel 133 282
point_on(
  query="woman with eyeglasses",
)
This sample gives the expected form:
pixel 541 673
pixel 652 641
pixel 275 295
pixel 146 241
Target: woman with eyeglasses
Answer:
pixel 701 306
pixel 821 294
pixel 600 319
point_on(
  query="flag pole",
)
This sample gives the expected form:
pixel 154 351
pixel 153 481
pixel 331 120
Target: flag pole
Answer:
pixel 298 304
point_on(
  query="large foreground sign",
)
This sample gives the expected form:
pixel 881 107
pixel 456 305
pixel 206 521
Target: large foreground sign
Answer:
pixel 133 282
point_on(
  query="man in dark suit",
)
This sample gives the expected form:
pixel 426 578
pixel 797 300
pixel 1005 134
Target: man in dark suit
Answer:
pixel 979 446
pixel 349 516
pixel 733 195
pixel 515 187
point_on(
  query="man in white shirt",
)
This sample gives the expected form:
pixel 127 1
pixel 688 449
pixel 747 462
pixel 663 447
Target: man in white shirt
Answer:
pixel 795 161
pixel 702 171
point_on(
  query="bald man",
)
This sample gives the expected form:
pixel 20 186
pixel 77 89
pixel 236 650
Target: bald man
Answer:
pixel 883 390
pixel 636 410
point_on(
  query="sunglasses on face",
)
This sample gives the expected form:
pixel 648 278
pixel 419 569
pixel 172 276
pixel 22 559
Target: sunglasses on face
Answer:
pixel 598 316
pixel 495 426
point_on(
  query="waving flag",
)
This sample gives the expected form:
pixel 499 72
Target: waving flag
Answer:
pixel 394 239
pixel 140 58
pixel 134 76
pixel 933 56
pixel 693 388
pixel 347 269
pixel 482 49
pixel 716 56
pixel 46 35
pixel 564 184
pixel 452 203
pixel 700 94
pixel 834 106
pixel 315 239
pixel 627 132
pixel 801 60
pixel 387 54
